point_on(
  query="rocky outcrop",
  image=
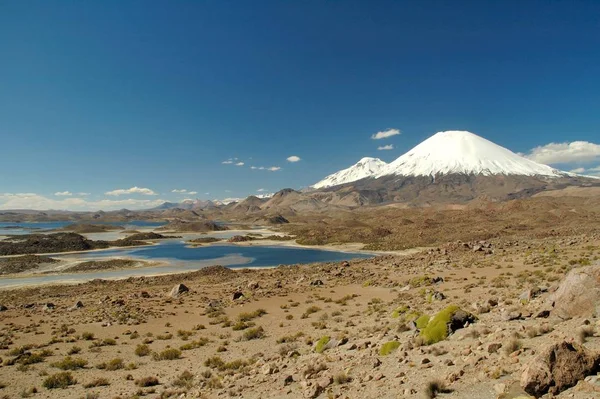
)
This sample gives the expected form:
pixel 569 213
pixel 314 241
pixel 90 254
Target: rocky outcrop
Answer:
pixel 558 367
pixel 178 290
pixel 578 294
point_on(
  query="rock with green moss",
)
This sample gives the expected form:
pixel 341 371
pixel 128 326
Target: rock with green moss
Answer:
pixel 444 323
pixel 388 348
pixel 322 344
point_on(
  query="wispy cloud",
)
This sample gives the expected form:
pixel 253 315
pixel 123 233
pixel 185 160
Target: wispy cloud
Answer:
pixel 239 164
pixel 183 191
pixel 576 152
pixel 260 190
pixel 385 147
pixel 271 169
pixel 63 194
pixel 385 134
pixel 293 158
pixel 228 162
pixel 132 190
pixel 83 194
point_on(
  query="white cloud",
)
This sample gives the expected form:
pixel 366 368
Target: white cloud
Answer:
pixel 132 190
pixel 577 170
pixel 565 153
pixel 239 164
pixel 39 202
pixel 63 194
pixel 260 190
pixel 192 192
pixel 274 168
pixel 253 167
pixel 385 134
pixel 293 158
pixel 83 194
pixel 385 147
pixel 183 190
pixel 228 162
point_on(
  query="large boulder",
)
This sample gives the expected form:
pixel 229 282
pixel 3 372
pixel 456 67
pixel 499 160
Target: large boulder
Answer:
pixel 578 294
pixel 558 367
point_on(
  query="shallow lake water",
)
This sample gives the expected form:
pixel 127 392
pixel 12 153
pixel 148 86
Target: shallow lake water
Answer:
pixel 182 258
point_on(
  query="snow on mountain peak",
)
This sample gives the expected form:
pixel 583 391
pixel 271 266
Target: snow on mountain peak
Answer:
pixel 366 167
pixel 465 153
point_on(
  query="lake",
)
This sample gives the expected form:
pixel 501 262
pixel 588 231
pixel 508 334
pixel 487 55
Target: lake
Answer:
pixel 182 258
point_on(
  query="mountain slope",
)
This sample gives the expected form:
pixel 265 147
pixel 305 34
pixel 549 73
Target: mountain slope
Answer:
pixel 464 153
pixel 366 167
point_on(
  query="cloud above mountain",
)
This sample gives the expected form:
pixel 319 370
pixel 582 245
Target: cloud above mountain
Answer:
pixel 132 190
pixel 575 152
pixel 385 134
pixel 183 191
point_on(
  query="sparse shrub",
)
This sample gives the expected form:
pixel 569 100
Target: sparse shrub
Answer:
pixel 88 336
pixel 341 378
pixel 142 350
pixel 512 345
pixel 74 350
pixel 251 315
pixel 167 354
pixel 200 342
pixel 254 333
pixel 98 382
pixel 114 364
pixel 184 380
pixel 147 382
pixel 164 337
pixel 69 363
pixel 59 380
pixel 184 335
pixel 434 387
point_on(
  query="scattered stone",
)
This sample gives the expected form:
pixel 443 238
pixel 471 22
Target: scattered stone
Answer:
pixel 3 308
pixel 253 285
pixel 345 264
pixel 316 282
pixel 288 380
pixel 509 316
pixel 178 290
pixel 527 295
pixel 542 314
pixel 145 294
pixel 558 367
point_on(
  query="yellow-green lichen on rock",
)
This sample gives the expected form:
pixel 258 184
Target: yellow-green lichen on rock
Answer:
pixel 438 327
pixel 321 344
pixel 388 348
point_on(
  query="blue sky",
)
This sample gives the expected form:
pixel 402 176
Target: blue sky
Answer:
pixel 104 96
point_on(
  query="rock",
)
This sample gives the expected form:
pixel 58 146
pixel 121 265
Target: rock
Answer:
pixel 345 264
pixel 49 306
pixel 527 295
pixel 578 294
pixel 118 302
pixel 178 290
pixel 542 314
pixel 78 305
pixel 494 347
pixel 438 296
pixel 3 308
pixel 324 382
pixel 508 316
pixel 237 295
pixel 314 391
pixel 268 369
pixel 288 380
pixel 253 285
pixel 144 294
pixel 558 367
pixel 316 282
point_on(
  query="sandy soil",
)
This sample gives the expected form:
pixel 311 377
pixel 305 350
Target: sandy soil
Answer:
pixel 264 344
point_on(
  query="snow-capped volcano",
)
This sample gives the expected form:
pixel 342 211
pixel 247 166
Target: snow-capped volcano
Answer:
pixel 366 167
pixel 464 153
